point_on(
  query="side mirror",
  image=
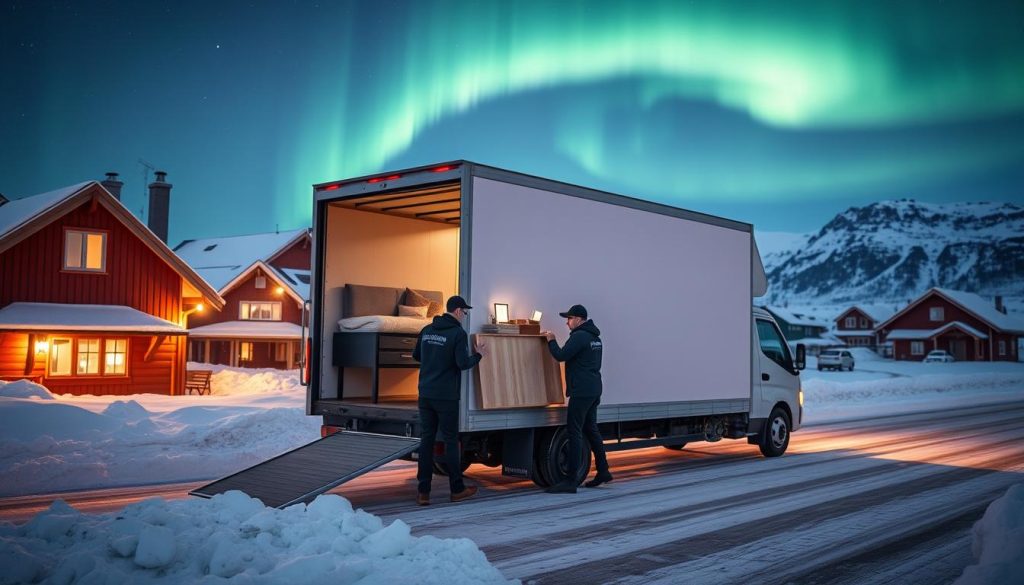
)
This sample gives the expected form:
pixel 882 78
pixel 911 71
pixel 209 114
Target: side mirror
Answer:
pixel 801 357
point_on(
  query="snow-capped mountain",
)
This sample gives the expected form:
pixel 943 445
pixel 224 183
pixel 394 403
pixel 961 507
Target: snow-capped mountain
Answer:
pixel 895 250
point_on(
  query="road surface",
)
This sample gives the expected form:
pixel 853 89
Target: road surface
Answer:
pixel 882 500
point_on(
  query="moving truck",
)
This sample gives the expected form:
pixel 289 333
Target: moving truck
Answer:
pixel 686 357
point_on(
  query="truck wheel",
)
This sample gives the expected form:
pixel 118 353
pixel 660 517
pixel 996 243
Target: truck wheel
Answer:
pixel 551 457
pixel 678 447
pixel 775 434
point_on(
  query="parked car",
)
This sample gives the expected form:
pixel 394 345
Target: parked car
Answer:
pixel 835 359
pixel 939 355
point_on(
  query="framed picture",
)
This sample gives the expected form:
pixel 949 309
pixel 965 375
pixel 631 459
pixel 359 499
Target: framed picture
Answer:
pixel 501 312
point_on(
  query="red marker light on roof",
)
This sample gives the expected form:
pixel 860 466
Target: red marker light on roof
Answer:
pixel 442 169
pixel 332 187
pixel 388 178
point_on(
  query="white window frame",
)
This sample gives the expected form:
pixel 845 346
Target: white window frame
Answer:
pixel 937 314
pixel 71 358
pixel 851 322
pixel 260 281
pixel 281 351
pixel 107 353
pixel 863 323
pixel 245 310
pixel 242 347
pixel 916 348
pixel 78 356
pixel 83 250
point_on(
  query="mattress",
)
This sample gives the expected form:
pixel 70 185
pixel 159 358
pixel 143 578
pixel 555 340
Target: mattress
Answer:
pixel 384 324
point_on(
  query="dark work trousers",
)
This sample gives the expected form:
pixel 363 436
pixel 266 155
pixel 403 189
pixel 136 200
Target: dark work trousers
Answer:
pixel 439 415
pixel 580 422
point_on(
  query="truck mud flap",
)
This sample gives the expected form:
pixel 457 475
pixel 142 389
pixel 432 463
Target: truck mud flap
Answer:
pixel 304 473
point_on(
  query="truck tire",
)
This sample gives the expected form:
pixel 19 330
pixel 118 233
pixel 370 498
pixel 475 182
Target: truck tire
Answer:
pixel 775 433
pixel 550 462
pixel 678 447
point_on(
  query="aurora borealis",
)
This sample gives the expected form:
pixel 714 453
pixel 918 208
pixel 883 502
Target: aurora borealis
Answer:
pixel 777 113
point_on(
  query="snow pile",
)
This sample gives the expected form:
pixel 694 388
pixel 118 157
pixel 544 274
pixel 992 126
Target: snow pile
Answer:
pixel 77 442
pixel 232 538
pixel 998 545
pixel 24 389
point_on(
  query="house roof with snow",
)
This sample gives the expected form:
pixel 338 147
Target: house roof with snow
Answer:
pixel 877 313
pixel 796 318
pixel 977 305
pixel 291 287
pixel 75 318
pixel 20 218
pixel 917 334
pixel 248 330
pixel 222 261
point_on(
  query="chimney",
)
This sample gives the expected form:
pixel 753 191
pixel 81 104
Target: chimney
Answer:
pixel 159 205
pixel 999 304
pixel 113 185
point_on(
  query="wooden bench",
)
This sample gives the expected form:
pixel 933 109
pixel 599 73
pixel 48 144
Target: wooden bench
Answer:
pixel 198 381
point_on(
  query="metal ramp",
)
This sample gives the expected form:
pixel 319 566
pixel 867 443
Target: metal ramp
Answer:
pixel 304 473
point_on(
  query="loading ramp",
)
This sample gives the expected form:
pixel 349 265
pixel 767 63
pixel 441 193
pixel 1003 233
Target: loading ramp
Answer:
pixel 304 473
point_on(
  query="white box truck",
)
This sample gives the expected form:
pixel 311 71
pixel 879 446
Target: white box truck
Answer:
pixel 686 357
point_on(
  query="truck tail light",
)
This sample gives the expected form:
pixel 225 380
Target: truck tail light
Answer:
pixel 307 352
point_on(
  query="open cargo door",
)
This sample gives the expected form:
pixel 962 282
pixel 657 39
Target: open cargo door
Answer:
pixel 304 473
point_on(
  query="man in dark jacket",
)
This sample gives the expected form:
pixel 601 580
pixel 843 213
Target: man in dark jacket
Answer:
pixel 443 352
pixel 582 357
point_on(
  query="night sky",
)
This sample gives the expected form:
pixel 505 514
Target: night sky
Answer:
pixel 776 113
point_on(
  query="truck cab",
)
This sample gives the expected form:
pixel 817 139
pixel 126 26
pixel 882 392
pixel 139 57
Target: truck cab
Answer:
pixel 776 395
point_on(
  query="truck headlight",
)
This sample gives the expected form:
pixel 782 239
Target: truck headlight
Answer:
pixel 800 396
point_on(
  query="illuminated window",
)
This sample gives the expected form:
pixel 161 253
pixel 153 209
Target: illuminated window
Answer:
pixel 245 351
pixel 259 311
pixel 60 357
pixel 85 251
pixel 88 357
pixel 916 348
pixel 115 357
pixel 936 314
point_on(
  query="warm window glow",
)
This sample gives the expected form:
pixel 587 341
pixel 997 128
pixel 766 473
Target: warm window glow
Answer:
pixel 88 357
pixel 116 357
pixel 42 346
pixel 85 250
pixel 60 357
pixel 255 311
pixel 245 351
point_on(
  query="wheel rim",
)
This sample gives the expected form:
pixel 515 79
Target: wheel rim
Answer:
pixel 779 432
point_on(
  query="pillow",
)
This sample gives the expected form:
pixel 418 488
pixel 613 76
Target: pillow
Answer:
pixel 434 309
pixel 407 311
pixel 415 299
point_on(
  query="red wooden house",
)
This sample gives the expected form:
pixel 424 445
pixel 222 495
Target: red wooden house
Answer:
pixel 964 324
pixel 856 325
pixel 264 279
pixel 91 300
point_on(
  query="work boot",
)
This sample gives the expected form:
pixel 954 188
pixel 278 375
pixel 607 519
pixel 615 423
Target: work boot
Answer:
pixel 599 479
pixel 464 494
pixel 564 487
pixel 423 499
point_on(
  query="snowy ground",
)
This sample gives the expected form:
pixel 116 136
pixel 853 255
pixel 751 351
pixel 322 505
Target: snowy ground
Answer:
pixel 50 443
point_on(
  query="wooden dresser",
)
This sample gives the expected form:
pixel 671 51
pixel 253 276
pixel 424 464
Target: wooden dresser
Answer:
pixel 519 372
pixel 374 351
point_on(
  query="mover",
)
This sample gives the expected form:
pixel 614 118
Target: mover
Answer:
pixel 686 357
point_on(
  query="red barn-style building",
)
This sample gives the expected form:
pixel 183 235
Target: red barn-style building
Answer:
pixel 264 279
pixel 91 300
pixel 966 325
pixel 856 325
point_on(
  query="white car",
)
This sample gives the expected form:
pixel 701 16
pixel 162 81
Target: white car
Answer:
pixel 835 359
pixel 939 355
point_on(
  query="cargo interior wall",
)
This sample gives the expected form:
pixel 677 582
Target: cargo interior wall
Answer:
pixel 671 296
pixel 381 250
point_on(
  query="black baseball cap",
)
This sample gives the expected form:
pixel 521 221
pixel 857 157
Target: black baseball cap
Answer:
pixel 575 311
pixel 457 302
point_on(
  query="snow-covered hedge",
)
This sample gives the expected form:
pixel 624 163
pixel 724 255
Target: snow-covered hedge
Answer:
pixel 998 544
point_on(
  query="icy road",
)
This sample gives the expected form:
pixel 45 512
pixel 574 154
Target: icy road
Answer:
pixel 886 499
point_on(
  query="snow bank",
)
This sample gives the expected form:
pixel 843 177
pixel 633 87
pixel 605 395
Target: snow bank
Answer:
pixel 68 442
pixel 24 389
pixel 232 538
pixel 998 544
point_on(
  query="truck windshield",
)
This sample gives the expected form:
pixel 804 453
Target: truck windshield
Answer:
pixel 772 344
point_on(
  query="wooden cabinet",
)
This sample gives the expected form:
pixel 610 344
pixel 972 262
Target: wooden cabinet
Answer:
pixel 374 351
pixel 518 372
